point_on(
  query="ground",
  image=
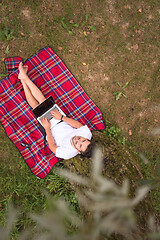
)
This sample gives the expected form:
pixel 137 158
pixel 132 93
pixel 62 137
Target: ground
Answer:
pixel 105 44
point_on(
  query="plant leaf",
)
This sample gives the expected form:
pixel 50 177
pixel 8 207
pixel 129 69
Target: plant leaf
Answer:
pixel 125 85
pixel 93 28
pixel 87 15
pixel 83 23
pixel 64 25
pixel 75 25
pixel 124 95
pixel 118 96
pixel 118 84
pixel 70 32
pixel 7 49
pixel 115 93
pixel 3 75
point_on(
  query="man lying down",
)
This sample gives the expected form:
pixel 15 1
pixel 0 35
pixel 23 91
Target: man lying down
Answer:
pixel 66 139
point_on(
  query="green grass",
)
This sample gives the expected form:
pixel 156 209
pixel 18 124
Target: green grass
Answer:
pixel 95 33
pixel 28 193
pixel 115 132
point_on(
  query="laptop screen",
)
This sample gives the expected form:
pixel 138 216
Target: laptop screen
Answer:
pixel 43 107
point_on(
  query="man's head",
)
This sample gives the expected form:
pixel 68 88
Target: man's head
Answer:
pixel 83 145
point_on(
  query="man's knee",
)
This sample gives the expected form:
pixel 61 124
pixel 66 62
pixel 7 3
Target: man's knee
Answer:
pixel 42 99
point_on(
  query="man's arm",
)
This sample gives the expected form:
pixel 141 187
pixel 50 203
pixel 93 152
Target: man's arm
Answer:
pixel 73 123
pixel 47 125
pixel 51 142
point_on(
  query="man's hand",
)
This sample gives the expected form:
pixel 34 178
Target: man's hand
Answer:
pixel 73 123
pixel 55 114
pixel 46 123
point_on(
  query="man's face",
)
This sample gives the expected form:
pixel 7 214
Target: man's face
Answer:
pixel 80 143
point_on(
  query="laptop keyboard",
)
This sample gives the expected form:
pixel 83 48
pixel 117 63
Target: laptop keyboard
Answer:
pixel 48 116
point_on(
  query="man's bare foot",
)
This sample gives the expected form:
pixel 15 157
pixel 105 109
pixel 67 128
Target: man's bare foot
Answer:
pixel 22 71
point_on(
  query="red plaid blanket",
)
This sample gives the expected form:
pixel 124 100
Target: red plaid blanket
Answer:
pixel 50 74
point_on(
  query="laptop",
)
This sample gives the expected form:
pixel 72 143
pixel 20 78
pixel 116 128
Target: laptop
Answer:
pixel 44 109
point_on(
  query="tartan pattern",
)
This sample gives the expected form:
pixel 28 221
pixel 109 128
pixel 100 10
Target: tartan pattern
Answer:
pixel 50 74
pixel 12 63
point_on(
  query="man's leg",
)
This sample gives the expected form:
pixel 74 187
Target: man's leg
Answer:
pixel 30 86
pixel 30 99
pixel 36 92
